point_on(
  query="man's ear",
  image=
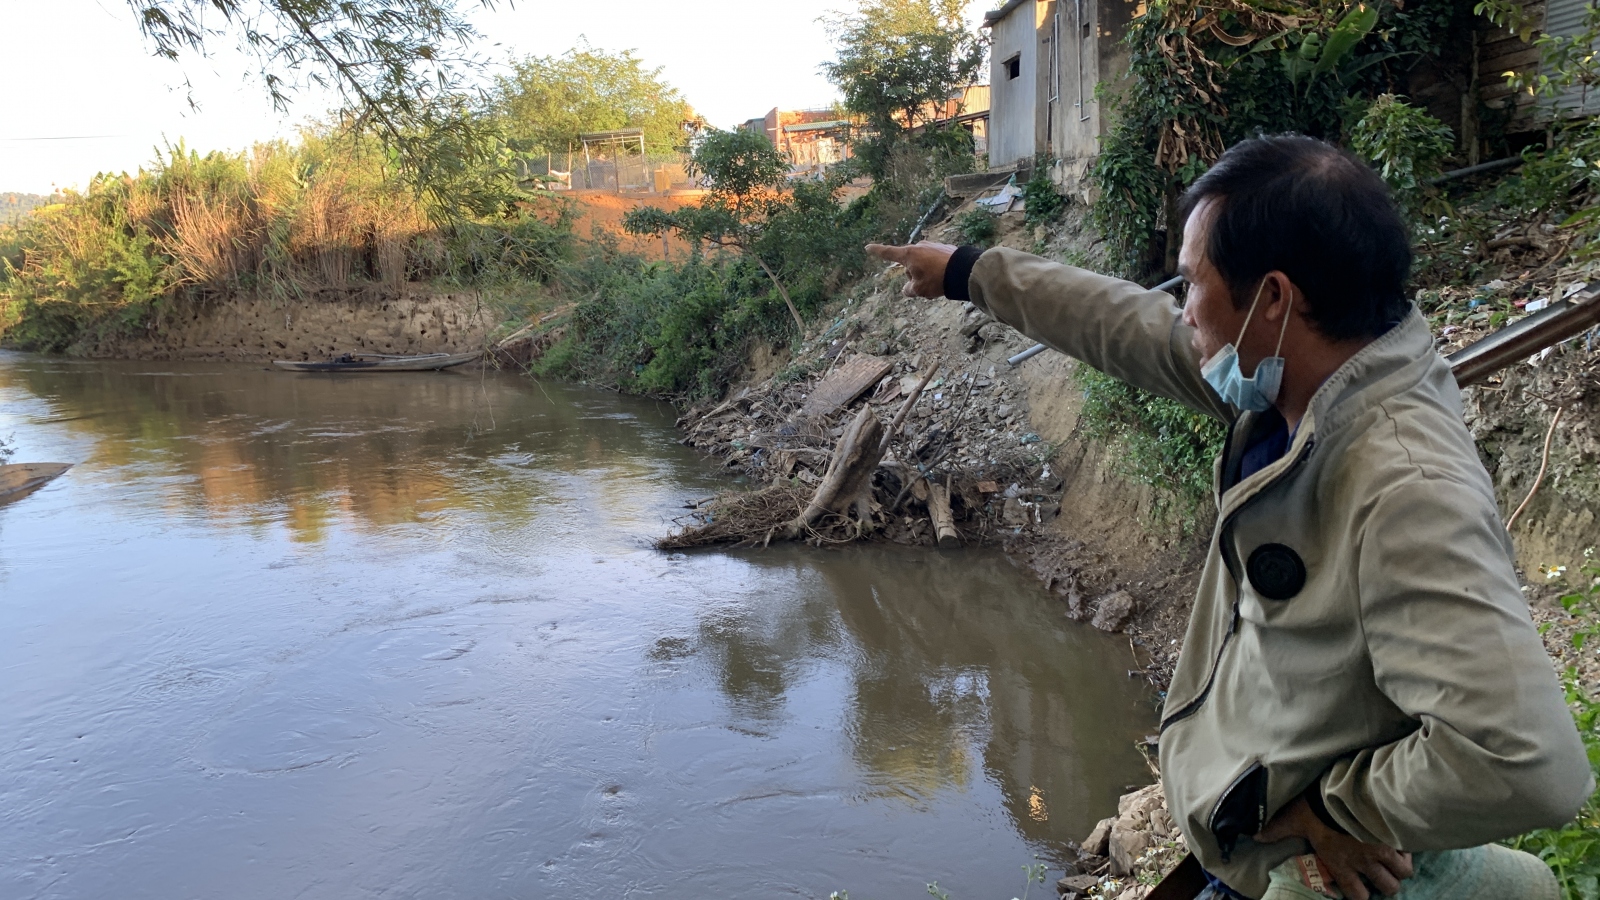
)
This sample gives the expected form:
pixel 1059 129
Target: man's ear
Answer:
pixel 1280 288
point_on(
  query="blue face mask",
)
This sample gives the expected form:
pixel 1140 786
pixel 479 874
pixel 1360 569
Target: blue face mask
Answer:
pixel 1256 393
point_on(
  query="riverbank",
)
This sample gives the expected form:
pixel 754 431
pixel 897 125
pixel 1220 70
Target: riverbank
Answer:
pixel 251 328
pixel 1011 444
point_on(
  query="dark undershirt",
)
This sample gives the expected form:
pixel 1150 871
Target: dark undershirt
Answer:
pixel 1267 449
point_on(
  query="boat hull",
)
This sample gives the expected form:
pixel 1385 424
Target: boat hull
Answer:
pixel 431 362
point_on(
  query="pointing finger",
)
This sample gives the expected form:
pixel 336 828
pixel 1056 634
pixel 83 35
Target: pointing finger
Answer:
pixel 888 252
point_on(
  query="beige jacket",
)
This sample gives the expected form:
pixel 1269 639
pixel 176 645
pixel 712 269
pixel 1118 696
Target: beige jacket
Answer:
pixel 1405 676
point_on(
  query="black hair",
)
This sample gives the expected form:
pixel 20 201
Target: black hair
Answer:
pixel 1317 214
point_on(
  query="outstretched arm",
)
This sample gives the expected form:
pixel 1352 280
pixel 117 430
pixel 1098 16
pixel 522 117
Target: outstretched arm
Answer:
pixel 1120 328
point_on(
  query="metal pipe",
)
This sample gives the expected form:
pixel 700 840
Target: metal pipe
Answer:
pixel 924 220
pixel 1545 328
pixel 1506 163
pixel 1036 349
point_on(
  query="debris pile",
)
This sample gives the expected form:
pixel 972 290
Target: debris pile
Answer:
pixel 852 443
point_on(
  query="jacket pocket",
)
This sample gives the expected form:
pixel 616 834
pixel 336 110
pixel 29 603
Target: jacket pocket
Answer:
pixel 1241 811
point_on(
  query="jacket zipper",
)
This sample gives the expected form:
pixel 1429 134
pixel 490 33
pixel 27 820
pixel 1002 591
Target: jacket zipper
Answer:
pixel 1224 547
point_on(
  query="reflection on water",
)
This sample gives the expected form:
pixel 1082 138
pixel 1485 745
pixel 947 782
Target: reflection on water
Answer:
pixel 285 635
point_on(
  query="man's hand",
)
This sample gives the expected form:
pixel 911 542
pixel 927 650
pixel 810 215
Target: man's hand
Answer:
pixel 925 264
pixel 1347 859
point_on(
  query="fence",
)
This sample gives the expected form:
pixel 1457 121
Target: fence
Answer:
pixel 621 173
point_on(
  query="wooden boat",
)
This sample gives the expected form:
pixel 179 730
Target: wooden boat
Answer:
pixel 379 362
pixel 18 480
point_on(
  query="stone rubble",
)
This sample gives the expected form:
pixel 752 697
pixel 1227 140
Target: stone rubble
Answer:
pixel 1126 855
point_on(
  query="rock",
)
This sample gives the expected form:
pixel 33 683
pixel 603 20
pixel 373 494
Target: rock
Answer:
pixel 1075 606
pixel 1080 883
pixel 993 332
pixel 1002 411
pixel 1095 843
pixel 1015 512
pixel 1161 824
pixel 1125 846
pixel 1142 801
pixel 1112 612
pixel 1073 887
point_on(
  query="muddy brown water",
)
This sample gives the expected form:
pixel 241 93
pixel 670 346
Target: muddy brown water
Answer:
pixel 314 636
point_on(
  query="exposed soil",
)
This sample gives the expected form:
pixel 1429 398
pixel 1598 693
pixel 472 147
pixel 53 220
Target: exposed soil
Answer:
pixel 249 328
pixel 602 211
pixel 1004 439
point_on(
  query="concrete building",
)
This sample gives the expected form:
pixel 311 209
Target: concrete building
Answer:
pixel 813 138
pixel 966 108
pixel 1047 57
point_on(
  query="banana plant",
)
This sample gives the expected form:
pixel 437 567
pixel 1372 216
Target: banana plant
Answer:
pixel 1309 56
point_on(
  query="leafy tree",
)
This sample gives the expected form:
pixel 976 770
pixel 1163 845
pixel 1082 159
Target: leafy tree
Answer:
pixel 402 68
pixel 744 177
pixel 896 57
pixel 1404 144
pixel 547 101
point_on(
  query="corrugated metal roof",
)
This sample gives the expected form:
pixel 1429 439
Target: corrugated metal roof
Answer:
pixel 1564 18
pixel 818 126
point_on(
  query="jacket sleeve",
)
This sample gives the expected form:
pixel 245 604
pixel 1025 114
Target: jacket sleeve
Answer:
pixel 1451 643
pixel 1123 330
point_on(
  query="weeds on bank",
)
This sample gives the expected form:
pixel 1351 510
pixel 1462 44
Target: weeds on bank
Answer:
pixel 1160 443
pixel 977 227
pixel 283 220
pixel 1573 851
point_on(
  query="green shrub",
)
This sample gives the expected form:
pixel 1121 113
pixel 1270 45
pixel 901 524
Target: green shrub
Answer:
pixel 1160 443
pixel 977 226
pixel 1042 203
pixel 1405 145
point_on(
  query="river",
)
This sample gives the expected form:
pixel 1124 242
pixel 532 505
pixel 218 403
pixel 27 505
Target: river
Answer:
pixel 307 636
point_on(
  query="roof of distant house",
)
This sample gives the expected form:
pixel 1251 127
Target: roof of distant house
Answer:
pixel 995 15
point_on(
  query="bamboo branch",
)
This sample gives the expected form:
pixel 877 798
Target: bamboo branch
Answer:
pixel 911 400
pixel 783 293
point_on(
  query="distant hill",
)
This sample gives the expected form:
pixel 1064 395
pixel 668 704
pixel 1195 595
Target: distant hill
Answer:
pixel 14 206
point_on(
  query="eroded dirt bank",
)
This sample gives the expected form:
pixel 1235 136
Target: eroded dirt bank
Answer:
pixel 326 322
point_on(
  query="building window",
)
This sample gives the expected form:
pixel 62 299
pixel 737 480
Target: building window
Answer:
pixel 1013 66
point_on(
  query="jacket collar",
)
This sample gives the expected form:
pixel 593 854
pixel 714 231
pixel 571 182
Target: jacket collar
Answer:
pixel 1393 361
pixel 1390 363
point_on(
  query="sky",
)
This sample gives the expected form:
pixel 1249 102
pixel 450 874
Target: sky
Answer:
pixel 86 96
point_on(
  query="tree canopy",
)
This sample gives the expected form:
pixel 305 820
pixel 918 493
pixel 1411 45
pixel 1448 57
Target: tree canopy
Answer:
pixel 547 101
pixel 896 57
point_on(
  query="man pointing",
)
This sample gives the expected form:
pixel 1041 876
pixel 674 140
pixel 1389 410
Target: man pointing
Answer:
pixel 1360 678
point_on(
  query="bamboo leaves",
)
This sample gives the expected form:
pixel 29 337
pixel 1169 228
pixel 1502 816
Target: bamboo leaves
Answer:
pixel 401 68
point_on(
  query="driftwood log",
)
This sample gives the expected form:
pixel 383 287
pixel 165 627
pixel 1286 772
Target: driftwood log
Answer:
pixel 944 524
pixel 848 481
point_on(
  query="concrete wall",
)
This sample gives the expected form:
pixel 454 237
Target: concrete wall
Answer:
pixel 1014 102
pixel 1091 55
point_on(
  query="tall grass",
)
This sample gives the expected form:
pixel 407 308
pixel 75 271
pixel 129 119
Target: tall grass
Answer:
pixel 282 220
